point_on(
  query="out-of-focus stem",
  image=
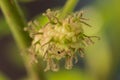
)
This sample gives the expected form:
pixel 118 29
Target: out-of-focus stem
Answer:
pixel 69 7
pixel 16 23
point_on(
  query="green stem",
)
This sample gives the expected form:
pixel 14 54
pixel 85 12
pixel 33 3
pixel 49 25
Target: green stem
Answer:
pixel 16 24
pixel 69 7
pixel 15 21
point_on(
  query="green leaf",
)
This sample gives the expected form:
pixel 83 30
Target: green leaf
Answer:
pixel 95 19
pixel 73 74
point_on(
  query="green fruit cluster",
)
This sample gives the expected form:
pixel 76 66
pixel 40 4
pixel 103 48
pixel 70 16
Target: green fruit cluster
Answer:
pixel 60 38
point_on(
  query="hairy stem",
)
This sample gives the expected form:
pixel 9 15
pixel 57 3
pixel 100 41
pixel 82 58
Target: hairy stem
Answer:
pixel 16 24
pixel 69 7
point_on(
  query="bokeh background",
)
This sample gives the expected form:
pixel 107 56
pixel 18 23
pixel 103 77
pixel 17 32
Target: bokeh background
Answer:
pixel 102 60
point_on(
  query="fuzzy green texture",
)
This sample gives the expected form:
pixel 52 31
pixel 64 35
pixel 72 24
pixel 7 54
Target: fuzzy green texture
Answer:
pixel 16 23
pixel 60 38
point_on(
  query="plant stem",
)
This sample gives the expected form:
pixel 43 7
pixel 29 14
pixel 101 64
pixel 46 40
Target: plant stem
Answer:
pixel 15 21
pixel 69 7
pixel 16 24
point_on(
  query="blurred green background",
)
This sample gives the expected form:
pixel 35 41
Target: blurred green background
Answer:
pixel 102 58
